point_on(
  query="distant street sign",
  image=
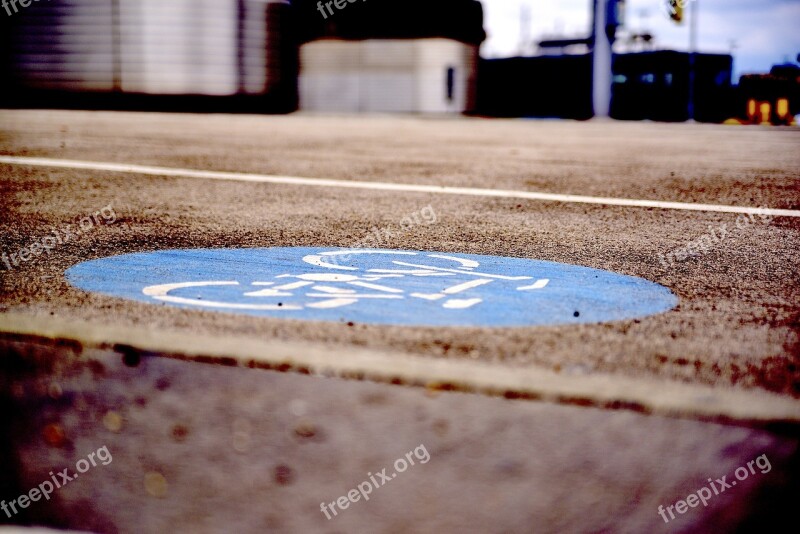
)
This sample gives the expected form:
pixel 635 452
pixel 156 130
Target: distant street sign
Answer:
pixel 393 287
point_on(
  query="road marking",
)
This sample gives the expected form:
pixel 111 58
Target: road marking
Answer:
pixel 377 287
pixel 649 395
pixel 385 186
pixel 461 304
pixel 465 286
pixel 428 296
pixel 540 284
pixel 264 282
pixel 333 303
pixel 160 292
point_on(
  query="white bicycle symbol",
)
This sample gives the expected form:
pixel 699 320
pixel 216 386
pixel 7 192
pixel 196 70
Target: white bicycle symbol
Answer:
pixel 346 285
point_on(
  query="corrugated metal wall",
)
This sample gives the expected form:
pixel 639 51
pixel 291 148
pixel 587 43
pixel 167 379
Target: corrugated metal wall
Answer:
pixel 154 47
pixel 179 46
pixel 63 44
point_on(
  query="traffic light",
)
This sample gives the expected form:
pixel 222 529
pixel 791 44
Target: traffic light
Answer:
pixel 675 9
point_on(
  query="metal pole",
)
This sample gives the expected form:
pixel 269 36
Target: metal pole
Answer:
pixel 601 61
pixel 692 57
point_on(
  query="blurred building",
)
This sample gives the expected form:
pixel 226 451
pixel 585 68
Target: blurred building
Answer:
pixel 647 86
pixel 390 55
pixel 206 55
pixel 656 86
pixel 772 98
pixel 273 56
pixel 539 86
pixel 173 54
pixel 388 75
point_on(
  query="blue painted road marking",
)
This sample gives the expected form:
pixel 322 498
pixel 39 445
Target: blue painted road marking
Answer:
pixel 392 287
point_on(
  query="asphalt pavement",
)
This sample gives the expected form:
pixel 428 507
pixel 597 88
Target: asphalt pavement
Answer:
pixel 227 420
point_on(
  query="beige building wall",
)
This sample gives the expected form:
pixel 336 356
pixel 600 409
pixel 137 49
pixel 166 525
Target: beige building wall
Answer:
pixel 387 75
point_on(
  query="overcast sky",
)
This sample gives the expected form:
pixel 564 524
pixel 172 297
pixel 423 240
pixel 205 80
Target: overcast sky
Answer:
pixel 760 32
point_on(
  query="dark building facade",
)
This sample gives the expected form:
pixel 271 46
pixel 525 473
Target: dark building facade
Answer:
pixel 541 86
pixel 647 86
pixel 656 86
pixel 459 20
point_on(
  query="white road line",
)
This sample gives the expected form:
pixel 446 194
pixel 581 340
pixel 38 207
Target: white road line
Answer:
pixel 384 186
pixel 376 287
pixel 428 296
pixel 465 286
pixel 465 263
pixel 349 296
pixel 334 290
pixel 333 303
pixel 469 273
pixel 540 284
pixel 459 304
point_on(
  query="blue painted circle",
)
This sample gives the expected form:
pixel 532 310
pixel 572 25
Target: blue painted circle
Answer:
pixel 392 287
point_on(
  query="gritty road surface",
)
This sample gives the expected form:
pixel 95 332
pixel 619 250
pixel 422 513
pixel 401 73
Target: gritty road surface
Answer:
pixel 213 424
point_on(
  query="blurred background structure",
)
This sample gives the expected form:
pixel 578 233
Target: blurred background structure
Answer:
pixel 277 56
pixel 390 56
pixel 152 54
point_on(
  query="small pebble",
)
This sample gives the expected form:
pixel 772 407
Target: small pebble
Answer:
pixel 155 484
pixel 54 435
pixel 55 391
pixel 305 429
pixel 284 475
pixel 112 421
pixel 298 407
pixel 241 441
pixel 179 433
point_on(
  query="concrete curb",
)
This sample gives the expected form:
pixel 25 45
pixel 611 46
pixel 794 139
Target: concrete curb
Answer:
pixel 605 391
